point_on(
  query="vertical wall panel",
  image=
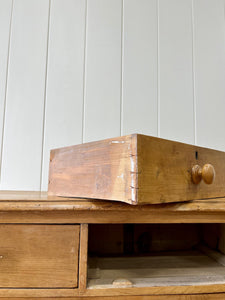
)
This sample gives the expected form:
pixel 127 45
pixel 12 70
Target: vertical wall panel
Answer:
pixel 175 70
pixel 22 142
pixel 209 50
pixel 139 113
pixel 5 16
pixel 103 69
pixel 64 94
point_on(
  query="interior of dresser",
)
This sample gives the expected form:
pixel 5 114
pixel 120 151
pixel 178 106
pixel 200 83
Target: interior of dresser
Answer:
pixel 143 255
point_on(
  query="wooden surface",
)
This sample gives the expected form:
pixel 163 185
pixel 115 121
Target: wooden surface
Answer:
pixel 206 173
pixel 83 256
pixel 33 207
pixel 136 169
pixel 111 241
pixel 216 296
pixel 190 264
pixel 15 207
pixel 164 171
pixel 38 256
pixel 104 170
pixel 174 268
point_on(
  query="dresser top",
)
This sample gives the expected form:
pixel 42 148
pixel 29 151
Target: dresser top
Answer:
pixel 25 200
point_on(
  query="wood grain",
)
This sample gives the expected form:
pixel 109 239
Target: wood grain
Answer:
pixel 173 268
pixel 104 169
pixel 216 296
pixel 51 209
pixel 83 256
pixel 136 169
pixel 164 171
pixel 38 256
pixel 116 293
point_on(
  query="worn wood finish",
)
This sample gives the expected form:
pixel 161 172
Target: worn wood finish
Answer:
pixel 35 256
pixel 217 296
pixel 114 293
pixel 136 169
pixel 164 169
pixel 104 170
pixel 174 268
pixel 83 256
pixel 51 209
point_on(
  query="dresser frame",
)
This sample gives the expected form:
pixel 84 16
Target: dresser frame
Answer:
pixel 38 208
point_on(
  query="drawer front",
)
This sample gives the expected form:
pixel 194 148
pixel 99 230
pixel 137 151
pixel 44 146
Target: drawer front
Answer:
pixel 165 171
pixel 39 256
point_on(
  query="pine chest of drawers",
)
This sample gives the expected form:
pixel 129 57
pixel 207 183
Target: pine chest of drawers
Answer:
pixel 53 247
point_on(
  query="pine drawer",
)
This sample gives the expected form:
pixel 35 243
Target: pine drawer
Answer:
pixel 39 256
pixel 137 169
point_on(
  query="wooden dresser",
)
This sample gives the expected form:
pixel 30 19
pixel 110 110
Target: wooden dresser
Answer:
pixel 88 249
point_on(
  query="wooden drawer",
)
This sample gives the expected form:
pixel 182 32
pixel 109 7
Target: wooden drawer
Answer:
pixel 39 256
pixel 136 169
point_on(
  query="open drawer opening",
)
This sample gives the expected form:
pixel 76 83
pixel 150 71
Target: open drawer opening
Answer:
pixel 144 255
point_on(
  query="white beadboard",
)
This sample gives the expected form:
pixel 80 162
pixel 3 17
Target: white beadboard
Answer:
pixel 5 17
pixel 22 143
pixel 139 84
pixel 103 70
pixel 175 70
pixel 209 49
pixel 100 68
pixel 64 89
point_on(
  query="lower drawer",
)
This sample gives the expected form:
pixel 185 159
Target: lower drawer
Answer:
pixel 39 256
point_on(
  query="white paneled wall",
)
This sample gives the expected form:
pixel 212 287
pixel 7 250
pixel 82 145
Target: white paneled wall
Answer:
pixel 25 95
pixel 139 111
pixel 74 71
pixel 64 84
pixel 5 28
pixel 176 114
pixel 102 93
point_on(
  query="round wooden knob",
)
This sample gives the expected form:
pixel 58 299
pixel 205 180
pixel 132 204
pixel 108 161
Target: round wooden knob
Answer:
pixel 207 173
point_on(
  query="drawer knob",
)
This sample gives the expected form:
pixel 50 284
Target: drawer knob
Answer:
pixel 207 173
